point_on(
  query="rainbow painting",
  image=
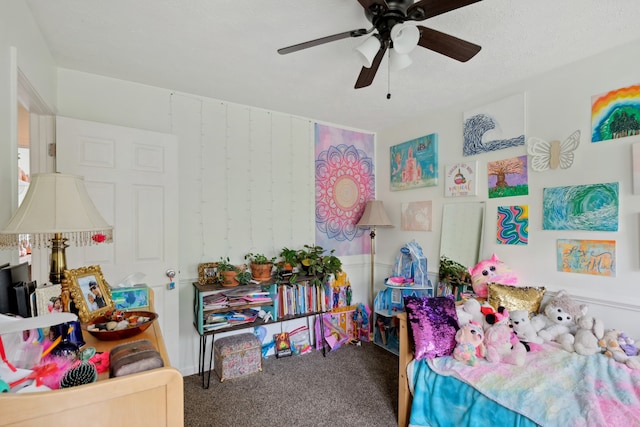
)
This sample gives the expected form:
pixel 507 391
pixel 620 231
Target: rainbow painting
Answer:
pixel 615 114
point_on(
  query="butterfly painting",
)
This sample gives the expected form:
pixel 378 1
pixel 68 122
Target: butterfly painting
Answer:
pixel 546 155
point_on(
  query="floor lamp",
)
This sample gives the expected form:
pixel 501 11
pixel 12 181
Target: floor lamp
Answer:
pixel 56 209
pixel 374 216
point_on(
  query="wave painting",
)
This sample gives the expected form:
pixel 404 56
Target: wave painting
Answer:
pixel 592 207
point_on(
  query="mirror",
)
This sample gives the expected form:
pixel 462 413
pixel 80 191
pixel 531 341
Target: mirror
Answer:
pixel 462 230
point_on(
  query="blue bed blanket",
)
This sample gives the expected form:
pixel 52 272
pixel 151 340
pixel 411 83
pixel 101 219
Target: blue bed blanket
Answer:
pixel 554 388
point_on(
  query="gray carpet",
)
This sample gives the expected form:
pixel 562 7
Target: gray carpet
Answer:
pixel 352 386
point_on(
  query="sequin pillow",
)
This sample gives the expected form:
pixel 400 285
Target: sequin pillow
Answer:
pixel 433 323
pixel 516 297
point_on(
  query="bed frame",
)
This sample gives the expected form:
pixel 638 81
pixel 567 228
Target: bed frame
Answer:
pixel 405 356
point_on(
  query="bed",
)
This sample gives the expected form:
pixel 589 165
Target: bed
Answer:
pixel 575 391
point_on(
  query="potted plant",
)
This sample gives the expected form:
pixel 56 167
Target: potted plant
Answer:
pixel 453 275
pixel 260 266
pixel 289 259
pixel 318 265
pixel 228 272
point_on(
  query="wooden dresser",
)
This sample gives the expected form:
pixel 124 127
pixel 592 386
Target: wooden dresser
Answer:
pixel 151 398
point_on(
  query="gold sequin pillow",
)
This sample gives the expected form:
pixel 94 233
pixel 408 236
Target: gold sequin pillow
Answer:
pixel 516 297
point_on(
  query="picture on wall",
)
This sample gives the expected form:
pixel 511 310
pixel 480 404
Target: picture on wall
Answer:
pixel 513 225
pixel 416 216
pixel 344 182
pixel 460 179
pixel 597 257
pixel 508 177
pixel 592 207
pixel 494 126
pixel 615 114
pixel 415 163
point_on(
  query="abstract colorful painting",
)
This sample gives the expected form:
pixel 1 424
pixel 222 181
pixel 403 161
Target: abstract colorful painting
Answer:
pixel 615 114
pixel 592 207
pixel 415 163
pixel 597 257
pixel 513 225
pixel 344 172
pixel 494 126
pixel 460 179
pixel 508 177
pixel 416 216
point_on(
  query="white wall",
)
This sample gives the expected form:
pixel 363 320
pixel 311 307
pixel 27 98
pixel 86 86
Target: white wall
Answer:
pixel 21 47
pixel 246 177
pixel 557 103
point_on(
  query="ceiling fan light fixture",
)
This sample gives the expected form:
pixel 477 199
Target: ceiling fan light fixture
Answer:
pixel 398 61
pixel 405 37
pixel 368 50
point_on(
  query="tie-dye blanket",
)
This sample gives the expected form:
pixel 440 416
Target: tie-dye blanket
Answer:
pixel 556 388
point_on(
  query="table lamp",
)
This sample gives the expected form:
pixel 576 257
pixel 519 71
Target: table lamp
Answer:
pixel 374 216
pixel 56 209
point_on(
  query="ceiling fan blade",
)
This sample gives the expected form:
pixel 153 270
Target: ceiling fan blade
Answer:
pixel 447 45
pixel 323 40
pixel 429 8
pixel 367 74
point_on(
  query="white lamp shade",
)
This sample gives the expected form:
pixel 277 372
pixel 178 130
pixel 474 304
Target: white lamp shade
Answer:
pixel 405 37
pixel 368 50
pixel 56 203
pixel 398 61
pixel 374 215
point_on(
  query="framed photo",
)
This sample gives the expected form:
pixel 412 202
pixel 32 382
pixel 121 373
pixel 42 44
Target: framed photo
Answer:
pixel 134 298
pixel 89 292
pixel 48 299
pixel 207 273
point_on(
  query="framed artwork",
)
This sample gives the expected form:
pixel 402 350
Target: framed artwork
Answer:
pixel 207 273
pixel 635 170
pixel 597 257
pixel 89 292
pixel 48 299
pixel 494 126
pixel 592 207
pixel 416 216
pixel 460 179
pixel 414 163
pixel 508 177
pixel 615 114
pixel 513 225
pixel 134 298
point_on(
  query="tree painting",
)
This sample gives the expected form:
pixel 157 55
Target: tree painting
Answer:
pixel 508 177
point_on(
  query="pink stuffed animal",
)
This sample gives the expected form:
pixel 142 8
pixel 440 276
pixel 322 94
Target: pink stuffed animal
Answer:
pixel 491 270
pixel 470 346
pixel 501 343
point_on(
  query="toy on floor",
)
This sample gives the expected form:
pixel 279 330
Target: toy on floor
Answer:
pixel 469 344
pixel 490 270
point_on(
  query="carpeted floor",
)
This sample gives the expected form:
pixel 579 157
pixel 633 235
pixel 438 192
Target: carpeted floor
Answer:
pixel 351 386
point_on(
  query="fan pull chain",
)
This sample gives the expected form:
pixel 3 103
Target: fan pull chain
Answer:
pixel 389 75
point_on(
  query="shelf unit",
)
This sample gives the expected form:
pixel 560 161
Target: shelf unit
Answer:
pixel 388 304
pixel 281 307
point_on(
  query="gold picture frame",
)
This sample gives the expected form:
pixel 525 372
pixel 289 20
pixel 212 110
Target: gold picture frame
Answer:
pixel 207 273
pixel 89 292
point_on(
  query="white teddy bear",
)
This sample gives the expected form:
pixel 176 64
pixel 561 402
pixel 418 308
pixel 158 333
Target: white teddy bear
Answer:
pixel 522 327
pixel 469 311
pixel 558 318
pixel 587 338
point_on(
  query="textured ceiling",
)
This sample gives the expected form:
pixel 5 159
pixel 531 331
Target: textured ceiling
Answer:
pixel 226 50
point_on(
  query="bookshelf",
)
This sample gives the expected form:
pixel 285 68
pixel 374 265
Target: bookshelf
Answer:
pixel 282 301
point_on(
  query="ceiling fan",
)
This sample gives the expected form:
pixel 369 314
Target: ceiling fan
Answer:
pixel 385 15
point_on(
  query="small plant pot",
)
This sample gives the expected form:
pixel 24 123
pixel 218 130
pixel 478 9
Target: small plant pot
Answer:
pixel 261 272
pixel 229 278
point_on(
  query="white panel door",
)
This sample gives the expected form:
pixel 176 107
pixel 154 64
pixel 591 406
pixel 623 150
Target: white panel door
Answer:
pixel 132 177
